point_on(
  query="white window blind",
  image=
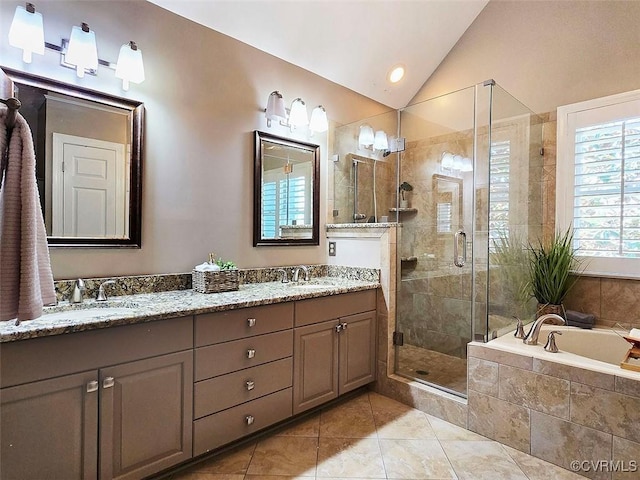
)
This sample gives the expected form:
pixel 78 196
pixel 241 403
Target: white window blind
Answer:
pixel 598 182
pixel 499 170
pixel 284 199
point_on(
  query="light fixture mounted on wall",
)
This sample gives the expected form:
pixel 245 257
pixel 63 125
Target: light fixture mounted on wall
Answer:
pixel 79 52
pixel 297 115
pixel 451 163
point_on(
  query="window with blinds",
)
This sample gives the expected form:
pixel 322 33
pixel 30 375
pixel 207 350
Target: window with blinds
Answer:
pixel 598 181
pixel 499 170
pixel 606 191
pixel 283 203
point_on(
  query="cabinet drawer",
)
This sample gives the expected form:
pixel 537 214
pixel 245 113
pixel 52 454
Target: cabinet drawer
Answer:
pixel 40 358
pixel 226 391
pixel 229 357
pixel 317 310
pixel 224 427
pixel 224 326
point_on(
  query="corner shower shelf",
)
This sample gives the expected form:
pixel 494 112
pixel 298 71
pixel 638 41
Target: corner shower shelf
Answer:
pixel 403 210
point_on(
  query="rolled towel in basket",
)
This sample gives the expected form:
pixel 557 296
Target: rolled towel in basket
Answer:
pixel 207 267
pixel 579 319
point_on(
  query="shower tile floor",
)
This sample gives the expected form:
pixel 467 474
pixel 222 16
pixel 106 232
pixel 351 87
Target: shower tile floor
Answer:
pixel 373 437
pixel 434 367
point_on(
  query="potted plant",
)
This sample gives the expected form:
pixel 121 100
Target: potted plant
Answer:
pixel 404 187
pixel 553 270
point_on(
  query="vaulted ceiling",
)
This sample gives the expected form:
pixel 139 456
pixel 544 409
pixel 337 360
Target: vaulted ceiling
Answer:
pixel 354 43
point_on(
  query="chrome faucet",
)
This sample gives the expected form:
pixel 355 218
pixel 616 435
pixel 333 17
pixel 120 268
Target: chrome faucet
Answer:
pixel 285 275
pixel 102 296
pixel 78 291
pixel 296 273
pixel 531 338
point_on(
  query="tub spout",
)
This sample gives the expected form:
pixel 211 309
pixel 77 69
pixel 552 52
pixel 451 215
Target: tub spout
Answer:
pixel 531 338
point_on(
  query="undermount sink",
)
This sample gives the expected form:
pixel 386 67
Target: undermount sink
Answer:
pixel 88 313
pixel 312 286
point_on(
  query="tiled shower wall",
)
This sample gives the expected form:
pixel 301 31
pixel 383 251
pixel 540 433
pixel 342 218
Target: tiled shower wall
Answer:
pixel 612 300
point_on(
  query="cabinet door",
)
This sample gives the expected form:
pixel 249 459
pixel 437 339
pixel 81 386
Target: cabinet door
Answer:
pixel 146 416
pixel 49 429
pixel 315 365
pixel 357 351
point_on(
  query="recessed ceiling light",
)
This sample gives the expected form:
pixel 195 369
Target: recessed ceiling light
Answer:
pixel 396 74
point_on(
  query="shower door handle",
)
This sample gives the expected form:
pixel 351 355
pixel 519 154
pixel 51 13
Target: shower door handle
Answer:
pixel 458 260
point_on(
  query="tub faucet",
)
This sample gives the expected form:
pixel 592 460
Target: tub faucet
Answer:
pixel 296 273
pixel 531 338
pixel 78 290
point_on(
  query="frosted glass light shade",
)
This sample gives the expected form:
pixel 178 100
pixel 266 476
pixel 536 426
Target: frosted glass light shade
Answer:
pixel 457 162
pixel 366 137
pixel 319 122
pixel 275 107
pixel 380 141
pixel 467 165
pixel 298 116
pixel 82 51
pixel 447 160
pixel 130 67
pixel 26 32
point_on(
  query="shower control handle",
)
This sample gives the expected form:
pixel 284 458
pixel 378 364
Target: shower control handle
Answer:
pixel 458 260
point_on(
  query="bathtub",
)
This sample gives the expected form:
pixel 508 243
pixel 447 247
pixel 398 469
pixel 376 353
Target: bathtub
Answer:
pixel 599 349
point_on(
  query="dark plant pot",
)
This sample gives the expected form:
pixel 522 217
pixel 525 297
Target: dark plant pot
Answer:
pixel 544 308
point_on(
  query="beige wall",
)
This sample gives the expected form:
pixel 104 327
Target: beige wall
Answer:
pixel 203 96
pixel 546 53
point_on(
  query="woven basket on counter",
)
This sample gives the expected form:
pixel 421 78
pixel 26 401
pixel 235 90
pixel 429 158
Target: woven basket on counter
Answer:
pixel 214 282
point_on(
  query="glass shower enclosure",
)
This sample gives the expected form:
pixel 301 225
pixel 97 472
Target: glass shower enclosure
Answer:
pixel 473 158
pixel 471 202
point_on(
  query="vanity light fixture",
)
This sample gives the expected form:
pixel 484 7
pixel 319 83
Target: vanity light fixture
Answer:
pixel 366 136
pixel 82 50
pixel 453 162
pixel 130 67
pixel 380 141
pixel 26 32
pixel 275 108
pixel 298 116
pixel 319 122
pixel 79 52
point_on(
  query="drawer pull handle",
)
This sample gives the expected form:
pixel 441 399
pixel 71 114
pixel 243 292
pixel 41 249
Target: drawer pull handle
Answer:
pixel 251 385
pixel 108 382
pixel 251 353
pixel 249 419
pixel 92 386
pixel 251 322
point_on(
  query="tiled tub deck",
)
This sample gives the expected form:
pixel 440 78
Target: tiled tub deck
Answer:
pixel 559 412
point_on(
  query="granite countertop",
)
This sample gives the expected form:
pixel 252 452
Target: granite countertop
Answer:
pixel 146 307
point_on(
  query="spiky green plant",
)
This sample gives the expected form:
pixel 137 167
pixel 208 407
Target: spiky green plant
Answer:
pixel 550 268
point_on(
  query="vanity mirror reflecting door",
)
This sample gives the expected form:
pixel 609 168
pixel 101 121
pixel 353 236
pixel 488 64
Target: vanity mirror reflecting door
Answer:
pixel 88 160
pixel 286 191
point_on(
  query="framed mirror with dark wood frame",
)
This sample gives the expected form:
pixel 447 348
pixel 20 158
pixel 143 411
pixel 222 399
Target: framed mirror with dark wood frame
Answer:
pixel 286 191
pixel 88 160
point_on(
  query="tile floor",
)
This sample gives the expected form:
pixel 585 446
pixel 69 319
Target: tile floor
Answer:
pixel 373 437
pixel 433 367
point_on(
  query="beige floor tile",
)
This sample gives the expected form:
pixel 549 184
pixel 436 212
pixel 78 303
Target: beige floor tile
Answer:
pixel 235 461
pixel 409 425
pixel 349 458
pixel 208 476
pixel 276 477
pixel 536 469
pixel 415 459
pixel 479 460
pixel 309 427
pixel 352 419
pixel 448 431
pixel 294 456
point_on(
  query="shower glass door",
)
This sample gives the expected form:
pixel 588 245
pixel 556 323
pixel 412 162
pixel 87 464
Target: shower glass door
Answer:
pixel 435 244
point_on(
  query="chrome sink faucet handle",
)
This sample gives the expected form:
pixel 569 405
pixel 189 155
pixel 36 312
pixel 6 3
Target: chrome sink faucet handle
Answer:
pixel 102 296
pixel 285 275
pixel 78 291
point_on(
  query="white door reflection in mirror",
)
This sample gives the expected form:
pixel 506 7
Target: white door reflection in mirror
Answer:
pixel 88 184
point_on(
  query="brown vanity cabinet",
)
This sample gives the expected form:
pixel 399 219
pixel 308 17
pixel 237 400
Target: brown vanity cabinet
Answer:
pixel 334 347
pixel 127 415
pixel 243 364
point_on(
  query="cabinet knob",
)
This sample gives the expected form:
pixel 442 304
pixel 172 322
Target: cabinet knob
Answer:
pixel 251 353
pixel 108 382
pixel 251 322
pixel 251 385
pixel 344 325
pixel 338 328
pixel 92 386
pixel 249 419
